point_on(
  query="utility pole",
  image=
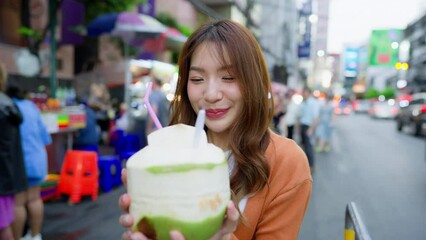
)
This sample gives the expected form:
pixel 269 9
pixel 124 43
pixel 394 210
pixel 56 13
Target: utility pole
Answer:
pixel 52 26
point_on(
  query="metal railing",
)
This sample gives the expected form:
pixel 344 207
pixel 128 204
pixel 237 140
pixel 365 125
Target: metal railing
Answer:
pixel 355 228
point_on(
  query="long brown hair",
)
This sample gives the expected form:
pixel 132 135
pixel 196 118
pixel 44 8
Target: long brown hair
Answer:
pixel 3 77
pixel 249 136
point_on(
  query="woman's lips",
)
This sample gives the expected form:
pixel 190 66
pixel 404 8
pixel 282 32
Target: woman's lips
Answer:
pixel 216 113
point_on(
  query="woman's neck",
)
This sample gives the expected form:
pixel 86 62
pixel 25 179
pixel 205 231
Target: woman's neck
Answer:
pixel 221 140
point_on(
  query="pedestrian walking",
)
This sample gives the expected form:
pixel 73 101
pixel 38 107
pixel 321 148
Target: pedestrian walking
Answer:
pixel 90 135
pixel 222 70
pixel 279 108
pixel 291 114
pixel 160 105
pixel 308 118
pixel 325 125
pixel 12 169
pixel 34 138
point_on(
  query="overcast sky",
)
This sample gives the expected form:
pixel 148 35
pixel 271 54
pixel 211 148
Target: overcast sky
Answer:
pixel 351 21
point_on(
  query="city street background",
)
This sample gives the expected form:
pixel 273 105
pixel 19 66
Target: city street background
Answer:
pixel 372 164
pixel 381 170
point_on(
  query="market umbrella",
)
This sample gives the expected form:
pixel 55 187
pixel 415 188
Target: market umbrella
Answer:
pixel 128 25
pixel 133 28
pixel 171 39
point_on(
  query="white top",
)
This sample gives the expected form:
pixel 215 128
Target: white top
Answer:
pixel 231 162
pixel 309 111
pixel 290 117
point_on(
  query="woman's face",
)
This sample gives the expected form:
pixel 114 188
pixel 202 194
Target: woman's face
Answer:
pixel 213 88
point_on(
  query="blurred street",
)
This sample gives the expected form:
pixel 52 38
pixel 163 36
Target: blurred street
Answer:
pixel 87 220
pixel 380 169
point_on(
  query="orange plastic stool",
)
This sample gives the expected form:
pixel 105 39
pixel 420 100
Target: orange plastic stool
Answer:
pixel 79 175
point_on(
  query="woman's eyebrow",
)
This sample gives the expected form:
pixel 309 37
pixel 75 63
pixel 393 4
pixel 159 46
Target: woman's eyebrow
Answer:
pixel 197 69
pixel 225 68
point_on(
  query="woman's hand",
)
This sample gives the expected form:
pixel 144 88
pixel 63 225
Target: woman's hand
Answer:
pixel 126 220
pixel 229 225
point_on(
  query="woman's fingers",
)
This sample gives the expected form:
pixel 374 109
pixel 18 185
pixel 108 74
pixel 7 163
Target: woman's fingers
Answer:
pixel 175 235
pixel 124 202
pixel 229 224
pixel 126 235
pixel 126 220
pixel 133 236
pixel 124 177
pixel 231 221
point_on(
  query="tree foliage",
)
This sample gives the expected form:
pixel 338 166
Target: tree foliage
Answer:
pixel 96 8
pixel 169 20
pixel 371 93
pixel 388 92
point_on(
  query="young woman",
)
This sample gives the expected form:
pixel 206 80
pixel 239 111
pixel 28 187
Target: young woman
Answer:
pixel 222 70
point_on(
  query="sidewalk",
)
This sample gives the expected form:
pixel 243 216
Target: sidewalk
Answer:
pixel 87 220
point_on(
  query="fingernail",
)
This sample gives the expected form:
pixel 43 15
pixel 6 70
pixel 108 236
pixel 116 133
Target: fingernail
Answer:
pixel 129 233
pixel 135 237
pixel 126 219
pixel 174 235
pixel 123 198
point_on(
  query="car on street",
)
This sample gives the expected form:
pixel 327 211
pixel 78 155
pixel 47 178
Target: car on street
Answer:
pixel 342 109
pixel 413 114
pixel 384 109
pixel 361 105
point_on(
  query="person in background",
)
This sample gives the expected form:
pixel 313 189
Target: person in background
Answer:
pixel 308 119
pixel 325 125
pixel 279 110
pixel 290 117
pixel 99 100
pixel 12 168
pixel 91 133
pixel 159 104
pixel 34 137
pixel 122 119
pixel 222 70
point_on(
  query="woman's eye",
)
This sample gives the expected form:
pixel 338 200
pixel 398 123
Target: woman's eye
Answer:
pixel 228 78
pixel 196 80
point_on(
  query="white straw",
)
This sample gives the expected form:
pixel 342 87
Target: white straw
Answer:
pixel 199 126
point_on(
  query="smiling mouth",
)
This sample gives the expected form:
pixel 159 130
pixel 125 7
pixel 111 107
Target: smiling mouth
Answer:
pixel 216 113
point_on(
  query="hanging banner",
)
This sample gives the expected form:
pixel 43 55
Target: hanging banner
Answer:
pixel 384 47
pixel 304 45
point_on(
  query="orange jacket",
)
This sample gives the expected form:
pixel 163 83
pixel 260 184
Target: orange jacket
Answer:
pixel 276 212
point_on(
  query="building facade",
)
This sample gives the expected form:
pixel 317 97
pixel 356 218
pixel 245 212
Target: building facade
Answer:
pixel 415 33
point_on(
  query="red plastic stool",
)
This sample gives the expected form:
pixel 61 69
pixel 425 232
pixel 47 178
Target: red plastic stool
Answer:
pixel 79 175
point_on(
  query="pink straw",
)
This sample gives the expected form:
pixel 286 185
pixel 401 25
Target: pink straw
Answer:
pixel 149 107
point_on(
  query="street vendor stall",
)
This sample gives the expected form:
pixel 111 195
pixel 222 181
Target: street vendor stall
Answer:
pixel 62 124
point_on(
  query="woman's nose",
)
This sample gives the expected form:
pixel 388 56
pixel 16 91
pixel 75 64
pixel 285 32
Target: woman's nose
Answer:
pixel 213 92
